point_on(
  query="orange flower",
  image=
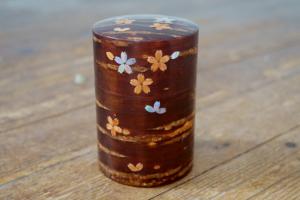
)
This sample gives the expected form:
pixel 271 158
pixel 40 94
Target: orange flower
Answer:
pixel 141 84
pixel 124 21
pixel 160 26
pixel 158 62
pixel 112 125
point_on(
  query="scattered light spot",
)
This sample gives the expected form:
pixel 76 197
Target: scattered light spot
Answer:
pixel 79 79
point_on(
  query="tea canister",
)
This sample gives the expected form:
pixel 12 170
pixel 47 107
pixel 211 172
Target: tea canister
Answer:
pixel 145 76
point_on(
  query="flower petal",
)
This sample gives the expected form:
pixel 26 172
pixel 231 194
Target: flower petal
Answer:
pixel 165 59
pixel 124 56
pixel 121 29
pixel 110 55
pixel 149 109
pixel 118 60
pixel 138 89
pixel 156 105
pixel 131 61
pixel 116 121
pixel 128 69
pixel 162 66
pixel 117 129
pixel 148 81
pixel 151 59
pixel 134 82
pixel 109 119
pixel 175 55
pixel 108 126
pixel 161 111
pixel 140 78
pixel 113 132
pixel 146 89
pixel 121 68
pixel 154 67
pixel 158 54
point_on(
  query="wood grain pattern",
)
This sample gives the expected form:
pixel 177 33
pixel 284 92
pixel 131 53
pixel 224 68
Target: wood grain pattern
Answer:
pixel 248 63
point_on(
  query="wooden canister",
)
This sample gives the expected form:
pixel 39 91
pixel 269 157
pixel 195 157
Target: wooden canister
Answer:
pixel 145 76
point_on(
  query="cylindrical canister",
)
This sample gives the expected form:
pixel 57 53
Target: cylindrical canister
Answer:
pixel 145 77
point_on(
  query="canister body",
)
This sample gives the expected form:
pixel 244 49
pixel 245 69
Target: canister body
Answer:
pixel 145 98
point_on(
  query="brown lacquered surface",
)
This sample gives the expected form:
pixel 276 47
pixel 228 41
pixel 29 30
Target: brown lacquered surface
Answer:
pixel 139 146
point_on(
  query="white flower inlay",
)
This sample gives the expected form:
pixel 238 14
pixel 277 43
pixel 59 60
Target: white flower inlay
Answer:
pixel 155 108
pixel 118 29
pixel 124 63
pixel 164 20
pixel 174 55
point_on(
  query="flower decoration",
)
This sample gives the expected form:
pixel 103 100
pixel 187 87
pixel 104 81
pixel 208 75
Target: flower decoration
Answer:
pixel 155 108
pixel 175 55
pixel 158 62
pixel 160 26
pixel 110 55
pixel 135 168
pixel 141 84
pixel 164 20
pixel 113 126
pixel 124 63
pixel 118 29
pixel 124 21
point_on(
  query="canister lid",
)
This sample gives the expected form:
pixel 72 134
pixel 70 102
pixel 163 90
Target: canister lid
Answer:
pixel 144 28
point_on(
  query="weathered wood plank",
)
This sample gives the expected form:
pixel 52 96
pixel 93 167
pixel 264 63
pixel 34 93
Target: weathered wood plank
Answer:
pixel 279 170
pixel 245 176
pixel 287 188
pixel 233 79
pixel 228 129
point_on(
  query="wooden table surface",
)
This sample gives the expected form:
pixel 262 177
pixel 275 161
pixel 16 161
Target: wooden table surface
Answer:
pixel 248 100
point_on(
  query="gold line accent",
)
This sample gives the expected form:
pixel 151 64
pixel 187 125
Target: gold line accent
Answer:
pixel 138 180
pixel 177 139
pixel 107 65
pixel 174 123
pixel 140 69
pixel 99 104
pixel 150 139
pixel 184 170
pixel 97 40
pixel 137 176
pixel 186 126
pixel 190 51
pixel 106 150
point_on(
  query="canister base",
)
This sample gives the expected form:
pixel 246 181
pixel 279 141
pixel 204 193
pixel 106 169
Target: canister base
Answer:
pixel 150 180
